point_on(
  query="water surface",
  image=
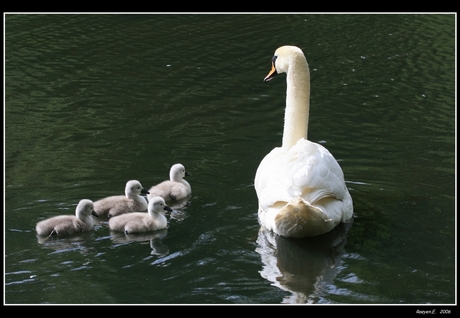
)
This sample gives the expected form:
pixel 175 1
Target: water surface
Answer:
pixel 95 100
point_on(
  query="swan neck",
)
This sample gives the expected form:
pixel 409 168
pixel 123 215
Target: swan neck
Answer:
pixel 85 218
pixel 184 182
pixel 174 177
pixel 297 104
pixel 159 216
pixel 89 221
pixel 134 197
pixel 177 178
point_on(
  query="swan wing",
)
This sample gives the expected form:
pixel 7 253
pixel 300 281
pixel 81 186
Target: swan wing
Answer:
pixel 307 170
pixel 315 173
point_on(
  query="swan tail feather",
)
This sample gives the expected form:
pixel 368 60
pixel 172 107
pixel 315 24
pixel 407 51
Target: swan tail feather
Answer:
pixel 299 218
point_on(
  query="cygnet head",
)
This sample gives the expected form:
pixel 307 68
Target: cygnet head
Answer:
pixel 85 208
pixel 157 205
pixel 284 57
pixel 177 172
pixel 134 187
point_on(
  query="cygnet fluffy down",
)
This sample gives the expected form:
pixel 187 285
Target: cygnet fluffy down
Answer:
pixel 176 188
pixel 69 224
pixel 138 222
pixel 119 204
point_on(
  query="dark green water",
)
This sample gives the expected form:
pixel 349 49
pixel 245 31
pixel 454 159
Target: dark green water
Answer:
pixel 92 101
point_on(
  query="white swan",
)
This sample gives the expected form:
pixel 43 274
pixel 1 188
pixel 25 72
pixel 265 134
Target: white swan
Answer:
pixel 69 224
pixel 119 204
pixel 176 188
pixel 300 186
pixel 138 222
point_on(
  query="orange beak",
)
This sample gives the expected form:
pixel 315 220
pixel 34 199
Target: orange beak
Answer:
pixel 271 74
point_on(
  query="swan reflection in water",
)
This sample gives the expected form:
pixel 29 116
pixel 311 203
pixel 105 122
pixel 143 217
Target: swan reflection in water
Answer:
pixel 155 238
pixel 304 267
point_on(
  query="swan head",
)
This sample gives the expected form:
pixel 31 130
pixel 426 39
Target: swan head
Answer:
pixel 283 58
pixel 177 172
pixel 134 187
pixel 85 208
pixel 158 205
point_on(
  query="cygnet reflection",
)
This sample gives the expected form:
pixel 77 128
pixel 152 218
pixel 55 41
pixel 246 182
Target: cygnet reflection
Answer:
pixel 158 248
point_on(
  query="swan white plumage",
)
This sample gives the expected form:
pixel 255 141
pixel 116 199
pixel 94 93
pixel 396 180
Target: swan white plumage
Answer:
pixel 118 204
pixel 176 188
pixel 300 186
pixel 138 222
pixel 69 224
